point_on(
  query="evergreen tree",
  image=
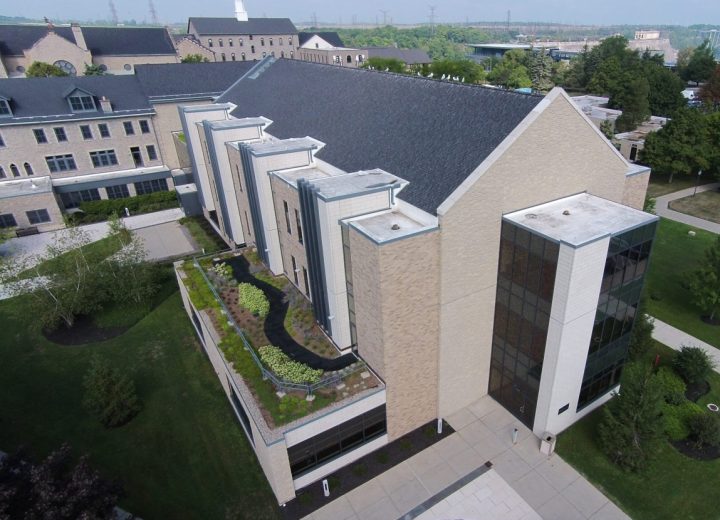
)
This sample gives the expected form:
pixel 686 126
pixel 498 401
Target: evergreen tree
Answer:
pixel 632 424
pixel 109 394
pixel 94 70
pixel 705 281
pixel 665 92
pixel 632 98
pixel 541 71
pixel 641 339
pixel 710 91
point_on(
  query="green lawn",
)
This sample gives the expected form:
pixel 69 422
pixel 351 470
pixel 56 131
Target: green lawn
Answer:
pixel 705 205
pixel 673 487
pixel 674 254
pixel 659 184
pixel 203 234
pixel 183 456
pixel 94 252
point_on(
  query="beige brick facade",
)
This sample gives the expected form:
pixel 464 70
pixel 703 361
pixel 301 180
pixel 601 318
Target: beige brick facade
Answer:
pixel 397 291
pixel 21 146
pixel 19 206
pixel 290 245
pixel 636 190
pixel 248 47
pixel 52 48
pixel 535 164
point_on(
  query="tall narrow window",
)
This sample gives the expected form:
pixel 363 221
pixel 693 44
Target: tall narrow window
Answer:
pixel 60 134
pixel 151 152
pixel 14 170
pixel 262 42
pixel 295 270
pixel 28 169
pixel 230 42
pixel 104 130
pixel 242 56
pixel 252 49
pixel 137 156
pixel 232 57
pixel 210 43
pixel 287 217
pixel 2 143
pixel 2 173
pixel 40 136
pixel 220 42
pixel 307 283
pixel 144 126
pixel 223 57
pixel 129 129
pixel 299 226
pixel 86 132
pixel 247 224
pixel 239 177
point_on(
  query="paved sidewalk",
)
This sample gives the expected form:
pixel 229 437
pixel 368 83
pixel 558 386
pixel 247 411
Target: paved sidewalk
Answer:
pixel 166 241
pixel 676 339
pixel 662 210
pixel 548 485
pixel 36 244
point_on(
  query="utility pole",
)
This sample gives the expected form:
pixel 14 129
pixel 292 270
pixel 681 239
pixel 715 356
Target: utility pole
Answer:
pixel 384 13
pixel 432 19
pixel 508 21
pixel 314 20
pixel 113 12
pixel 153 13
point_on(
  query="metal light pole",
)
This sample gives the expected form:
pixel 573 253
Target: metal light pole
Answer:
pixel 697 182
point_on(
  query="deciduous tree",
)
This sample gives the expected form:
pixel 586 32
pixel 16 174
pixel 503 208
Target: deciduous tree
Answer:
pixel 511 71
pixel 704 282
pixel 109 394
pixel 194 58
pixel 701 64
pixel 40 69
pixel 386 64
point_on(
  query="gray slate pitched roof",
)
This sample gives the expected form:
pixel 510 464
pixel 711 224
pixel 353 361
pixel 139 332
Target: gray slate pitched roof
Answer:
pixel 38 99
pixel 14 39
pixel 178 80
pixel 432 133
pixel 332 38
pixel 101 41
pixel 409 56
pixel 123 41
pixel 221 26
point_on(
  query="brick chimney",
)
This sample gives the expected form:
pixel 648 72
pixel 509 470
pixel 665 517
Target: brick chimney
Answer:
pixel 78 35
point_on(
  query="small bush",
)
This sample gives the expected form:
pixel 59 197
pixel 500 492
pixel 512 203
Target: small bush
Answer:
pixel 693 364
pixel 287 369
pixel 292 406
pixel 677 419
pixel 100 210
pixel 382 457
pixel 705 430
pixel 673 387
pixel 253 299
pixel 406 444
pixel 360 470
pixel 109 394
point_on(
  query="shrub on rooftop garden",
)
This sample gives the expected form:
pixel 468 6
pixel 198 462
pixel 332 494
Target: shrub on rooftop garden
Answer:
pixel 287 369
pixel 253 299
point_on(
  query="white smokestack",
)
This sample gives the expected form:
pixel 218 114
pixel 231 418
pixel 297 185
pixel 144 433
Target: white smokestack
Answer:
pixel 240 12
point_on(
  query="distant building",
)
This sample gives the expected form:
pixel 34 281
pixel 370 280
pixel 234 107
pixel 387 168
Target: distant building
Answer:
pixel 245 39
pixel 410 57
pixel 114 49
pixel 328 48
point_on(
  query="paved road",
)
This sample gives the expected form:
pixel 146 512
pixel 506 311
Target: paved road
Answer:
pixel 36 244
pixel 676 339
pixel 662 210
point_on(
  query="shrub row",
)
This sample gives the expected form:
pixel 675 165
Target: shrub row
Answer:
pixel 287 369
pixel 253 299
pixel 99 210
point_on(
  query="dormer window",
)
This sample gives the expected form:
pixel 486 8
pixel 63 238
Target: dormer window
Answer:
pixel 5 107
pixel 81 100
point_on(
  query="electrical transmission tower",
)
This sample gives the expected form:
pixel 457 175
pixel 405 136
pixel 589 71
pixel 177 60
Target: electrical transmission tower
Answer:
pixel 384 13
pixel 432 18
pixel 113 12
pixel 153 13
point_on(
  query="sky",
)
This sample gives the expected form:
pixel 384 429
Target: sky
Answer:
pixel 633 12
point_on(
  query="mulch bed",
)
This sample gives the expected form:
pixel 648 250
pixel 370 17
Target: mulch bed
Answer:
pixel 361 471
pixel 695 391
pixel 83 331
pixel 688 448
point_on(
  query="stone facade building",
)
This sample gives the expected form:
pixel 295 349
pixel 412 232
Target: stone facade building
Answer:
pixel 64 141
pixel 493 244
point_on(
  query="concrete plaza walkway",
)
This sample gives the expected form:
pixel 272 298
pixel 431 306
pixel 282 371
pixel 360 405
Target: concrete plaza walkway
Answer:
pixel 528 484
pixel 35 244
pixel 662 210
pixel 676 339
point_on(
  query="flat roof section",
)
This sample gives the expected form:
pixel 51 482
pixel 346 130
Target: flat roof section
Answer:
pixel 357 183
pixel 20 187
pixel 579 219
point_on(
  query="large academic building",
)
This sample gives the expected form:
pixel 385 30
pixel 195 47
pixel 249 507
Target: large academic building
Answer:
pixel 459 240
